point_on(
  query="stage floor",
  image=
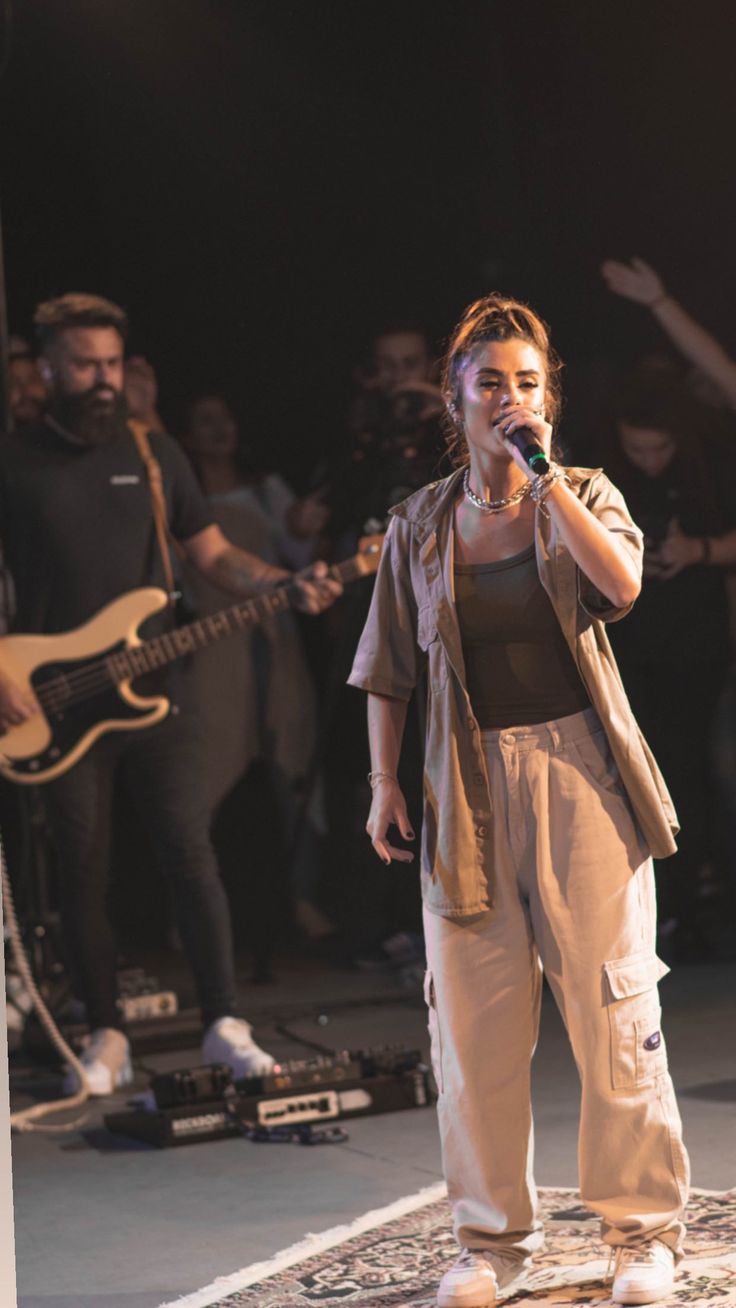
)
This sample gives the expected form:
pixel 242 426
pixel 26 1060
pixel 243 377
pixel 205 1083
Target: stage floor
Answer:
pixel 102 1222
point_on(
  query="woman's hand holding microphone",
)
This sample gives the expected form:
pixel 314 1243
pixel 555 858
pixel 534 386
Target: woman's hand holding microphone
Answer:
pixel 517 417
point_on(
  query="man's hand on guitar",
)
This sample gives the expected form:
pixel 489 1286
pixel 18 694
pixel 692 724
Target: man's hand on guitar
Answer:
pixel 70 723
pixel 16 707
pixel 315 589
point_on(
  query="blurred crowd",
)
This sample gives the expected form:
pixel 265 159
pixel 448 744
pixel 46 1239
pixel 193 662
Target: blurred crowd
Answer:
pixel 285 737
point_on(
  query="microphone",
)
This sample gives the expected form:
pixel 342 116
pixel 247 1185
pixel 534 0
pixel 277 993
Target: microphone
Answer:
pixel 524 440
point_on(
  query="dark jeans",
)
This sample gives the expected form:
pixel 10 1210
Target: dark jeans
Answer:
pixel 161 769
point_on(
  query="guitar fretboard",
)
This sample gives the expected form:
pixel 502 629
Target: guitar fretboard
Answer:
pixel 159 651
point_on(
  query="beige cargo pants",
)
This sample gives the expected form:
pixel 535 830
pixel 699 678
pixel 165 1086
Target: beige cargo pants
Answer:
pixel 572 893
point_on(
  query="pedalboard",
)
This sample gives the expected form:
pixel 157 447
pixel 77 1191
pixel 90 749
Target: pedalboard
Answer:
pixel 194 1085
pixel 200 1104
pixel 141 998
pixel 148 1007
pixel 363 1098
pixel 176 1126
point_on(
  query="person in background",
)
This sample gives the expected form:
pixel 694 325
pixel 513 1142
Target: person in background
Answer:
pixel 141 392
pixel 713 379
pixel 27 395
pixel 393 445
pixel 673 649
pixel 78 531
pixel 27 390
pixel 542 807
pixel 254 694
pixel 27 398
pixel 394 433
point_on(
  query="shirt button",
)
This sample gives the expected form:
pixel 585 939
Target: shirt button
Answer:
pixel 507 740
pixel 432 574
pixel 482 831
pixel 478 778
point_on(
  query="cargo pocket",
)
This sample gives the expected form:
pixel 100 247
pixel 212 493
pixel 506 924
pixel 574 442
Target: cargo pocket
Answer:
pixel 638 1052
pixel 429 641
pixel 435 1043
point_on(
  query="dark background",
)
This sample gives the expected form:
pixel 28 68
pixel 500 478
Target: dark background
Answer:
pixel 262 183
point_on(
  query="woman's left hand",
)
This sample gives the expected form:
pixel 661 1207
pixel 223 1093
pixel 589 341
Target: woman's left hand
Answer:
pixel 517 416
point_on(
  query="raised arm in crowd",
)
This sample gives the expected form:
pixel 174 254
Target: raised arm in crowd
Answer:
pixel 639 282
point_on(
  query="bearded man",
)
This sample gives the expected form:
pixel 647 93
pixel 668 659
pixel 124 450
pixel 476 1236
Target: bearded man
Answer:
pixel 77 529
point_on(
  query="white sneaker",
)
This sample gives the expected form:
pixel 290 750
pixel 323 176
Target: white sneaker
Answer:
pixel 643 1273
pixel 230 1041
pixel 476 1276
pixel 106 1060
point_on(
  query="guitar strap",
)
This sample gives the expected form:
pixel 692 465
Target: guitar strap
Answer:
pixel 158 506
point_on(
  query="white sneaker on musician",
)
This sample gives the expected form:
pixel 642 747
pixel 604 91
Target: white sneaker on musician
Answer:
pixel 230 1040
pixel 106 1061
pixel 475 1278
pixel 643 1273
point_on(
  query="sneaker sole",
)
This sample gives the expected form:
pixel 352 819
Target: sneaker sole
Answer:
pixel 467 1302
pixel 661 1292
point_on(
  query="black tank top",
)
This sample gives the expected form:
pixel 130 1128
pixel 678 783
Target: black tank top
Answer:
pixel 518 664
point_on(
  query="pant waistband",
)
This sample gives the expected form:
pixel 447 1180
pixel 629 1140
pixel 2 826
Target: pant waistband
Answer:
pixel 543 735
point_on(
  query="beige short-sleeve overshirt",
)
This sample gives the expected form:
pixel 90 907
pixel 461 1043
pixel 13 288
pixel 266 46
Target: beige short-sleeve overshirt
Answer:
pixel 412 624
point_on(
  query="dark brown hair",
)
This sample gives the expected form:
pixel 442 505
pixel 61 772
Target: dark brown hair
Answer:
pixel 494 317
pixel 76 310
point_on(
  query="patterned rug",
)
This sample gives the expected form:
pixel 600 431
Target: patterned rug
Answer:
pixel 395 1258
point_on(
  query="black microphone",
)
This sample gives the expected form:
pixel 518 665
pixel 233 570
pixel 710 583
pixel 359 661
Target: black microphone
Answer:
pixel 529 448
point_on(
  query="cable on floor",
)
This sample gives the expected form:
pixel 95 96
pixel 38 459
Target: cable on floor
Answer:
pixel 29 1119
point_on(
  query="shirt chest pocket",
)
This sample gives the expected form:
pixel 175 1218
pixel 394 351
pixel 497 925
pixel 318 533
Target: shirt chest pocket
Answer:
pixel 430 643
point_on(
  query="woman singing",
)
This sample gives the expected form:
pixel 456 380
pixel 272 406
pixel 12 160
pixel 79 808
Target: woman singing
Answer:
pixel 543 808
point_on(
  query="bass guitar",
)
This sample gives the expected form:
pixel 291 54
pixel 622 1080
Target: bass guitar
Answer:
pixel 82 679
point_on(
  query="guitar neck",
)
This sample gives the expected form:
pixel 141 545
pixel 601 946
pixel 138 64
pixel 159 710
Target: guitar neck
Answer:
pixel 172 645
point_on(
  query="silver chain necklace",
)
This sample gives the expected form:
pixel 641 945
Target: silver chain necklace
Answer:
pixel 494 506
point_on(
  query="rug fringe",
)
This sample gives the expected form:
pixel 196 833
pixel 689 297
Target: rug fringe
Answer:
pixel 311 1244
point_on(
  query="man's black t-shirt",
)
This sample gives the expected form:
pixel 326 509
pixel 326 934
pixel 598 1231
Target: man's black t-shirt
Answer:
pixel 686 617
pixel 77 527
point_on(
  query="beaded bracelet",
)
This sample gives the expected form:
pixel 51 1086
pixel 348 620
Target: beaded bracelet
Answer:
pixel 375 777
pixel 542 485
